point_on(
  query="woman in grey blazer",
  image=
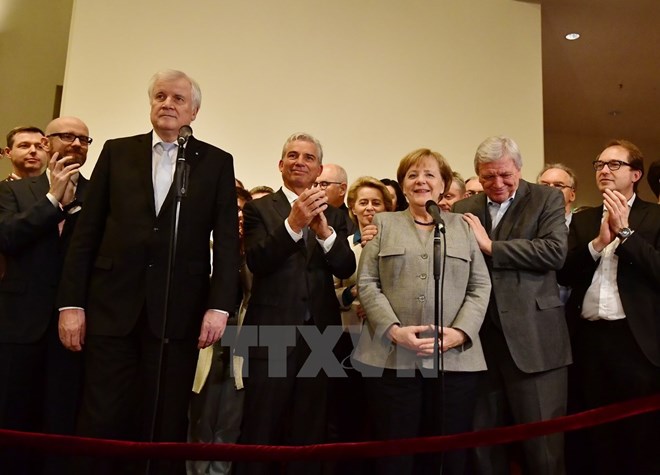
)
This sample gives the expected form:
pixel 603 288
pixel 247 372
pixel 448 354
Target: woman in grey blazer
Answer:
pixel 395 351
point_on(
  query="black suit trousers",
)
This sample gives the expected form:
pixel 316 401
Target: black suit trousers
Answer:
pixel 286 410
pixel 612 368
pixel 120 393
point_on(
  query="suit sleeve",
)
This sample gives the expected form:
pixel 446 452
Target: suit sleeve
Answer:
pixel 340 258
pixel 546 249
pixel 87 235
pixel 266 251
pixel 224 280
pixel 642 252
pixel 20 230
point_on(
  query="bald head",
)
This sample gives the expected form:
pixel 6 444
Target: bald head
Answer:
pixel 336 182
pixel 69 137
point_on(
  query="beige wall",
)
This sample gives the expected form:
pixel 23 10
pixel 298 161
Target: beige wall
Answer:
pixel 372 79
pixel 33 46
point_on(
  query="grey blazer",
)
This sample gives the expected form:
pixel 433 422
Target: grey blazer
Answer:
pixel 529 246
pixel 396 286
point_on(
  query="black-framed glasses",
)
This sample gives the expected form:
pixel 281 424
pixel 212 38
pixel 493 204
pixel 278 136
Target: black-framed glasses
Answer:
pixel 613 165
pixel 324 184
pixel 561 186
pixel 70 138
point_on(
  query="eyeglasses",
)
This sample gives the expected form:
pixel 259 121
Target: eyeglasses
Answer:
pixel 613 165
pixel 472 193
pixel 561 186
pixel 70 138
pixel 324 184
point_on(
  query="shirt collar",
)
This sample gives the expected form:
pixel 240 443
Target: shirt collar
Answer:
pixel 155 139
pixel 491 202
pixel 290 195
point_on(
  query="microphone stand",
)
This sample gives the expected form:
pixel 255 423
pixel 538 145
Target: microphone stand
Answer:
pixel 181 175
pixel 439 261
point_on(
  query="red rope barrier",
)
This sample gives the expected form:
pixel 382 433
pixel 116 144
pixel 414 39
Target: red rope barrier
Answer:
pixel 234 452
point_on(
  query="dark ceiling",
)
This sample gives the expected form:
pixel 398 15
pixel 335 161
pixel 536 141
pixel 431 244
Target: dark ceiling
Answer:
pixel 607 82
pixel 604 85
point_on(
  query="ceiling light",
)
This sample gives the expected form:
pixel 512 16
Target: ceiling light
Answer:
pixel 572 36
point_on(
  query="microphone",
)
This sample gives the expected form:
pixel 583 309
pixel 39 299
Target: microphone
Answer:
pixel 184 134
pixel 433 209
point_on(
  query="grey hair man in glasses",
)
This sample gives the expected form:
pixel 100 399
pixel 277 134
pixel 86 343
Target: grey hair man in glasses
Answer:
pixel 560 176
pixel 613 266
pixel 334 180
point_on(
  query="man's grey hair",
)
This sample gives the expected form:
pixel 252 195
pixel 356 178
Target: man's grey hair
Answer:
pixel 494 148
pixel 304 137
pixel 169 75
pixel 560 166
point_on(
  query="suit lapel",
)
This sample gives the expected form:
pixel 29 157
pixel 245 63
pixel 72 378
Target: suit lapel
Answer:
pixel 505 226
pixel 80 188
pixel 39 186
pixel 193 152
pixel 143 167
pixel 482 212
pixel 638 213
pixel 281 204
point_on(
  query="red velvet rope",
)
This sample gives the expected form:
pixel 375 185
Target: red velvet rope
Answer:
pixel 185 451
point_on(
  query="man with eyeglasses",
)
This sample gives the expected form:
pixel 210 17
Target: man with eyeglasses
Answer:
pixel 39 383
pixel 560 176
pixel 334 180
pixel 613 266
pixel 69 140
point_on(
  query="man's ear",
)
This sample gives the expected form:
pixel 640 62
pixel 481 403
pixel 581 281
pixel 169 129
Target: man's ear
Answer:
pixel 342 187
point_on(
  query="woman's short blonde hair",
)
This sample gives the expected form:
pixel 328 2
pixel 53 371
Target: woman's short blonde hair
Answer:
pixel 369 182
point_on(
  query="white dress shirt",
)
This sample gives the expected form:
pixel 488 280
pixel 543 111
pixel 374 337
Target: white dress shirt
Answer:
pixel 326 244
pixel 602 300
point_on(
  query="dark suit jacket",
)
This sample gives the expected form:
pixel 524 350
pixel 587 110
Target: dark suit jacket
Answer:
pixel 116 265
pixel 34 251
pixel 529 245
pixel 292 277
pixel 638 273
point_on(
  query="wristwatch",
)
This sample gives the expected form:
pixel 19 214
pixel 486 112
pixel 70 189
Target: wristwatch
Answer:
pixel 624 233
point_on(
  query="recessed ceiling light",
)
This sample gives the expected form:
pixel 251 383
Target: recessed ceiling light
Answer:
pixel 572 36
